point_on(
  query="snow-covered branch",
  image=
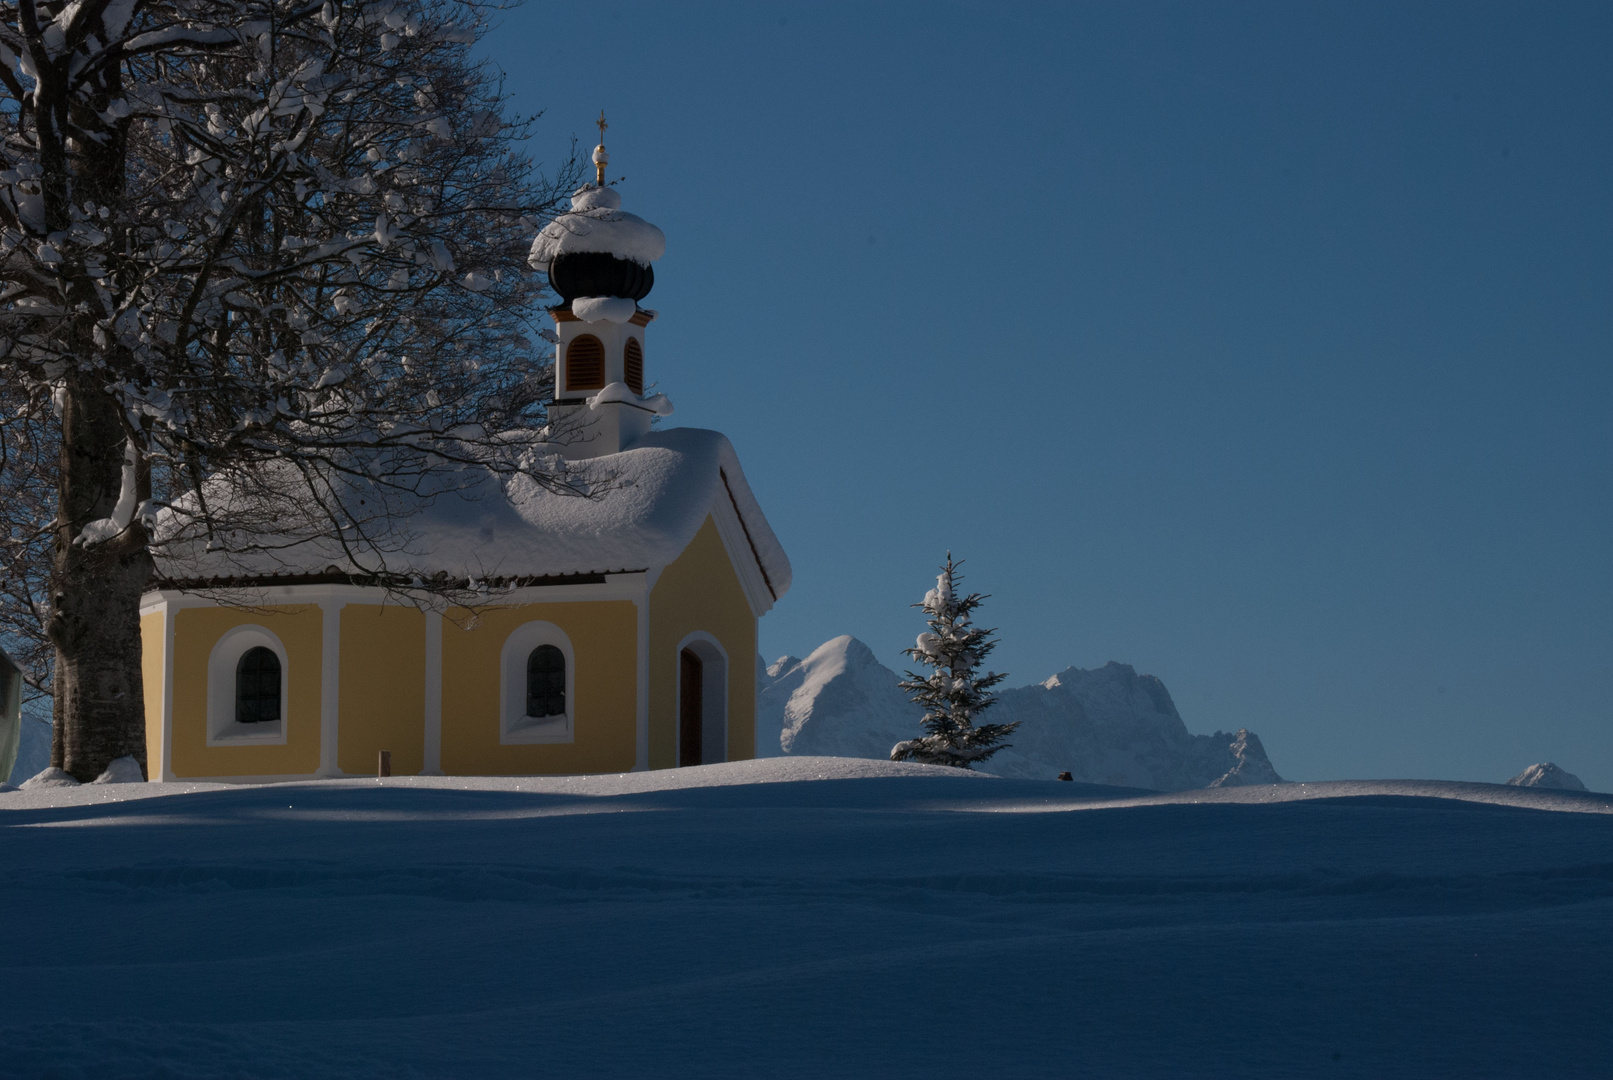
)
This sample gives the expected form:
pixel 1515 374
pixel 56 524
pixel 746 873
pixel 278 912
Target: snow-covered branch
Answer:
pixel 261 238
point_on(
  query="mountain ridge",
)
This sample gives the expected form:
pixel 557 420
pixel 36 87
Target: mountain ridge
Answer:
pixel 1107 725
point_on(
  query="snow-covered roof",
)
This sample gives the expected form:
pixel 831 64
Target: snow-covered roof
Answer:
pixel 646 504
pixel 597 223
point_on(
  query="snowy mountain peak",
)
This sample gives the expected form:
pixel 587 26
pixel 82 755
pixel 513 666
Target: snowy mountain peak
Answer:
pixel 844 649
pixel 838 701
pixel 1108 725
pixel 1547 775
pixel 1119 684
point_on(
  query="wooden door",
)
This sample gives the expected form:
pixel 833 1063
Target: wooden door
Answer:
pixel 691 707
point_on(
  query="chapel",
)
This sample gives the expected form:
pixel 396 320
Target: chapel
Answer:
pixel 620 633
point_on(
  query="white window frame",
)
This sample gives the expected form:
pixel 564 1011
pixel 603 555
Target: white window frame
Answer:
pixel 713 693
pixel 222 730
pixel 515 727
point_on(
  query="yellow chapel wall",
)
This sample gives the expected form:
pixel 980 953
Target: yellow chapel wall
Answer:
pixel 153 658
pixel 604 642
pixel 698 592
pixel 196 631
pixel 381 695
pixel 381 703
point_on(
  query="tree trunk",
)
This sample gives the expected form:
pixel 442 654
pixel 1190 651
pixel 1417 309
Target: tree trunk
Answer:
pixel 95 597
pixel 99 706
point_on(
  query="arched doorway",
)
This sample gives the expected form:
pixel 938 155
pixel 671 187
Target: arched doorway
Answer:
pixel 702 701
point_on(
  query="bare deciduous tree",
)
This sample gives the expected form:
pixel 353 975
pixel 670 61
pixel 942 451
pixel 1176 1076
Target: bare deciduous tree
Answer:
pixel 270 240
pixel 28 441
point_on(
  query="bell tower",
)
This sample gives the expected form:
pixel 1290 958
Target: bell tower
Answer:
pixel 598 258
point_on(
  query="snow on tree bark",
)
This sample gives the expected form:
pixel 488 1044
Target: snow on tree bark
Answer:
pixel 278 241
pixel 952 695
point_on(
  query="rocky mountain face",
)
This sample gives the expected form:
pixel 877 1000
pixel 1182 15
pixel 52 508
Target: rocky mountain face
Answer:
pixel 1109 725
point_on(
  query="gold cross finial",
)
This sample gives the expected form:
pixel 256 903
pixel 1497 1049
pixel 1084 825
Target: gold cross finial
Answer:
pixel 600 157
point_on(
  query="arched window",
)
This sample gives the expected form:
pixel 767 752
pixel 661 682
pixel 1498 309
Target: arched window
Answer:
pixel 633 366
pixel 546 682
pixel 537 686
pixel 257 687
pixel 585 363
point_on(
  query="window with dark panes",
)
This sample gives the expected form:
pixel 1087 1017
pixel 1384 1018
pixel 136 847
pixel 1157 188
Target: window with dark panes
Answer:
pixel 257 687
pixel 546 682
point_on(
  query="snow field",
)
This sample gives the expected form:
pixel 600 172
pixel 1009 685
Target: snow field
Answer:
pixel 804 917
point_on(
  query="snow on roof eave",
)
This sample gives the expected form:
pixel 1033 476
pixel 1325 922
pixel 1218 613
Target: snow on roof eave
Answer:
pixel 758 557
pixel 514 534
pixel 403 583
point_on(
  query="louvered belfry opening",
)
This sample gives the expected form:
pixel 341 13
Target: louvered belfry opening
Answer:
pixel 585 363
pixel 633 366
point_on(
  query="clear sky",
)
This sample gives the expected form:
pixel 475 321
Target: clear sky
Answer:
pixel 1263 347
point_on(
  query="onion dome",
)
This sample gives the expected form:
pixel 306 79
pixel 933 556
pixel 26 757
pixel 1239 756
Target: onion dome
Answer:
pixel 597 248
pixel 575 274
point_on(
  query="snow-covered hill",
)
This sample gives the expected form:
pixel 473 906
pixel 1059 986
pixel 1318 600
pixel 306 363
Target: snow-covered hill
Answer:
pixel 1105 726
pixel 800 918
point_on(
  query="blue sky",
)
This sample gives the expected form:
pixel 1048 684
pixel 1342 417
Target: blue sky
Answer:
pixel 1263 347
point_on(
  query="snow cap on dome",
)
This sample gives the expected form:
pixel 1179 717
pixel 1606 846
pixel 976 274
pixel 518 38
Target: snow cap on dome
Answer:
pixel 596 223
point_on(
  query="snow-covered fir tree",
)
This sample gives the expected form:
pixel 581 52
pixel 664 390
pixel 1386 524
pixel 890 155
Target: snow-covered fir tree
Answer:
pixel 277 242
pixel 953 694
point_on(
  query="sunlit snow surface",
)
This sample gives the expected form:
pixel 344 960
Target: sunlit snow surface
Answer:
pixel 805 917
